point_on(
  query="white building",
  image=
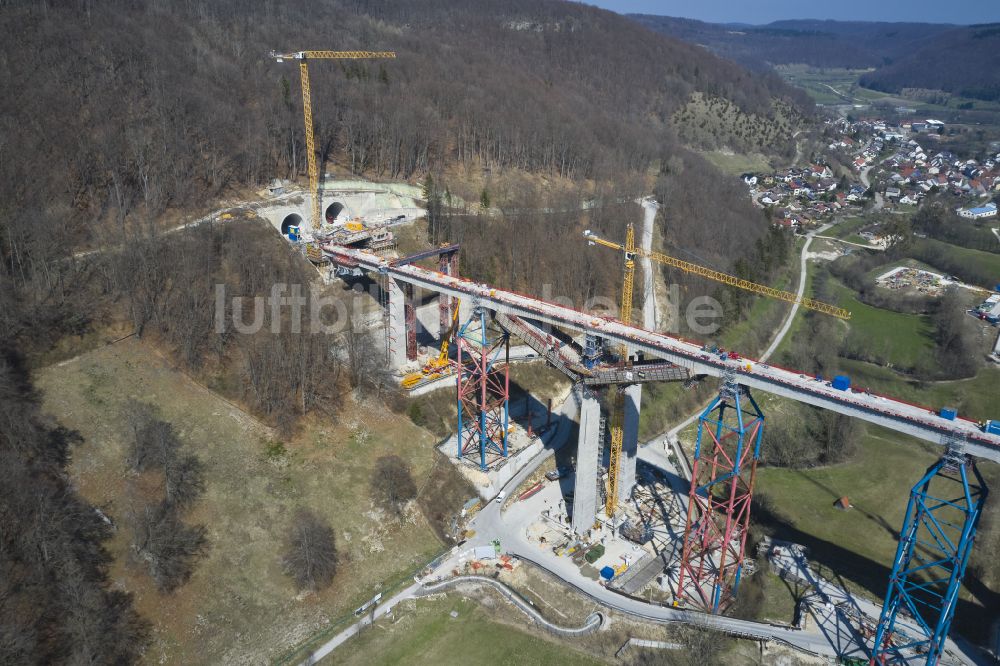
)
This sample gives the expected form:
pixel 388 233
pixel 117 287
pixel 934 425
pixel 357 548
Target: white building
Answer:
pixel 989 210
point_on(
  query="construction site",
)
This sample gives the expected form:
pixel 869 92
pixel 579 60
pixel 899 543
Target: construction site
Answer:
pixel 662 530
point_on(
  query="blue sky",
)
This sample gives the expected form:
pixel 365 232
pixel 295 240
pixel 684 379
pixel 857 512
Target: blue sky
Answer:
pixel 765 11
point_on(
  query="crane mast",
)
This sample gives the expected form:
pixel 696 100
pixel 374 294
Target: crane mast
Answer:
pixel 618 401
pixel 303 57
pixel 630 252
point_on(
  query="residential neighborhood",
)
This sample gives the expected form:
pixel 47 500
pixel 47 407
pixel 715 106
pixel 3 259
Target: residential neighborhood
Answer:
pixel 894 166
pixel 801 196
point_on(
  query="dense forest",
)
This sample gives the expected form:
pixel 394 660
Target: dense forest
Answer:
pixel 851 44
pixel 964 61
pixel 136 107
pixel 956 59
pixel 56 605
pixel 139 109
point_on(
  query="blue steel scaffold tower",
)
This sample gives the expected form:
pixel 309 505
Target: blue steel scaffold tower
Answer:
pixel 934 546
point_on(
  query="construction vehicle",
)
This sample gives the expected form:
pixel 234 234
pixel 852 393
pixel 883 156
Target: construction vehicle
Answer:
pixel 436 367
pixel 304 57
pixel 630 252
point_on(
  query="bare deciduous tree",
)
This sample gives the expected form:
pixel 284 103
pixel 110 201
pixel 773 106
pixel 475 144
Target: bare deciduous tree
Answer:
pixel 367 369
pixel 184 481
pixel 392 484
pixel 169 548
pixel 310 556
pixel 154 443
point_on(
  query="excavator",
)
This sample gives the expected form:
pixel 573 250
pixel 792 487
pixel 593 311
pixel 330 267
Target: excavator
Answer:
pixel 436 367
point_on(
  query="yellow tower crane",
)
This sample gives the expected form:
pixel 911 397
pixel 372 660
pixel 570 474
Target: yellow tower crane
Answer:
pixel 630 252
pixel 718 276
pixel 618 400
pixel 303 57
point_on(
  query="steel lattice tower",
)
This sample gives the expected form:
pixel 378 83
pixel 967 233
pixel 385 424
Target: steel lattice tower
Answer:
pixel 722 478
pixel 934 546
pixel 483 389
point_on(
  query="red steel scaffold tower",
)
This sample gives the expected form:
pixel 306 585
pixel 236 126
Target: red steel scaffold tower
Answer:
pixel 722 479
pixel 483 389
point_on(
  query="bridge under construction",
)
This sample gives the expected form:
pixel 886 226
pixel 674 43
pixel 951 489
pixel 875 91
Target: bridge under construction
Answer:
pixel 730 432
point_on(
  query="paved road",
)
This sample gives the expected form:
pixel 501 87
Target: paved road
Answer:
pixel 491 523
pixel 877 248
pixel 379 611
pixel 594 621
pixel 803 274
pixel 879 202
pixel 831 636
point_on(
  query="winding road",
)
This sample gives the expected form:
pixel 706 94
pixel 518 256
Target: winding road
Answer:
pixel 799 293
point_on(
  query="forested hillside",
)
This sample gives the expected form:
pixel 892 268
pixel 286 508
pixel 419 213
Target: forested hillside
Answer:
pixel 851 44
pixel 957 59
pixel 127 110
pixel 131 107
pixel 964 61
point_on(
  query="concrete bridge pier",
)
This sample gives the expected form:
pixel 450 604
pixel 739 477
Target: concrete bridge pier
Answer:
pixel 464 311
pixel 630 442
pixel 447 264
pixel 397 324
pixel 410 322
pixel 588 449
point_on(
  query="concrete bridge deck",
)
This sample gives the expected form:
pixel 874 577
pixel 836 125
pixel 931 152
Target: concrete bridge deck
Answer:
pixel 882 410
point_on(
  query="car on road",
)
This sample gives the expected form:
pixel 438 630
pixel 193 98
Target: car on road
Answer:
pixel 501 497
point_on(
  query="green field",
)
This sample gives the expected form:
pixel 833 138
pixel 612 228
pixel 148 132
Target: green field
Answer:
pixel 845 90
pixel 902 340
pixel 983 262
pixel 817 82
pixel 895 338
pixel 856 547
pixel 426 633
pixel 856 543
pixel 737 163
pixel 847 227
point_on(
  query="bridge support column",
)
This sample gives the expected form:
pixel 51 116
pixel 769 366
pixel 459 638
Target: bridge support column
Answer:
pixel 630 442
pixel 465 308
pixel 588 449
pixel 397 324
pixel 410 319
pixel 934 547
pixel 447 264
